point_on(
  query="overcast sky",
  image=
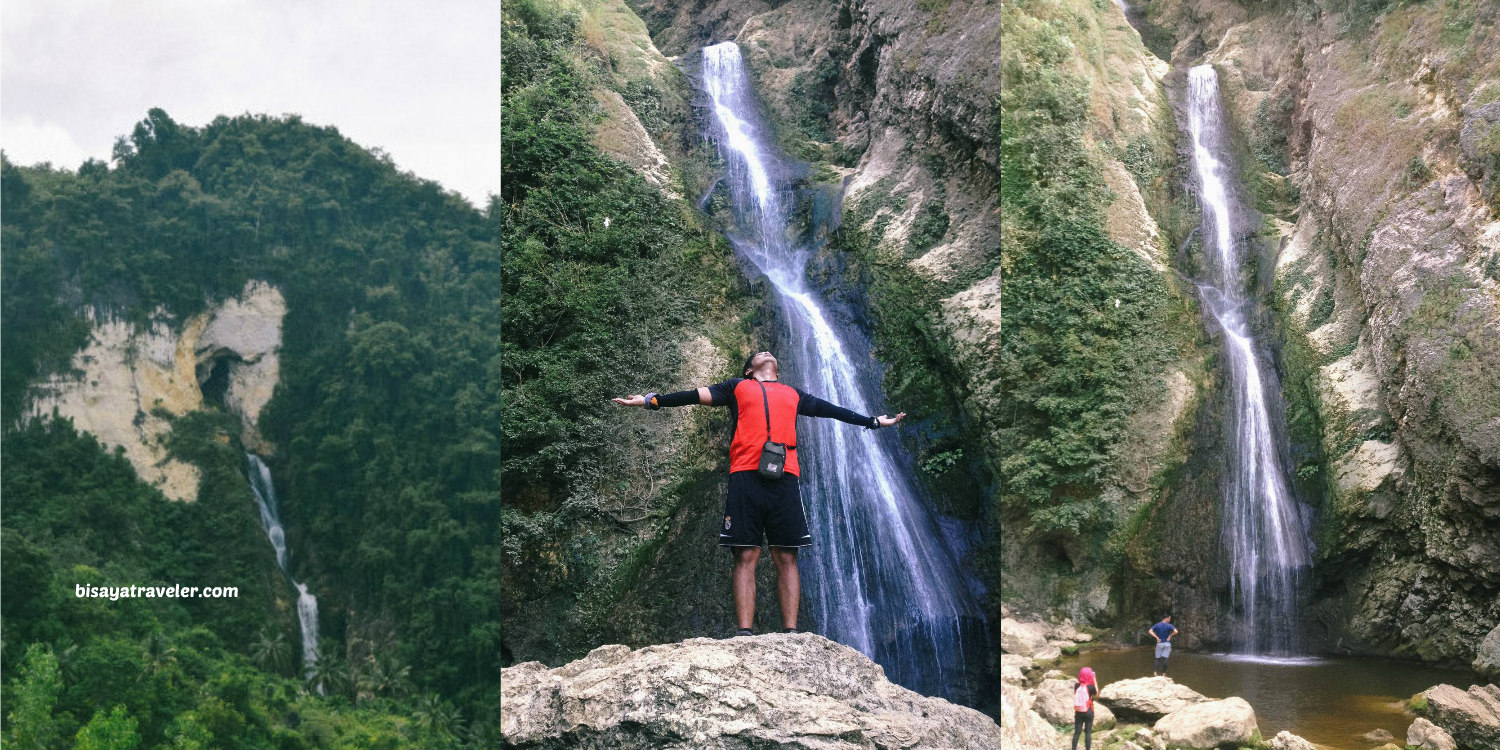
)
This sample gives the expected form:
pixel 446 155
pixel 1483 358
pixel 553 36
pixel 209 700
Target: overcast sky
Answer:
pixel 419 79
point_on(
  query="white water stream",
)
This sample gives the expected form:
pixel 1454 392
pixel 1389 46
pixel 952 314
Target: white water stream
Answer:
pixel 307 604
pixel 1263 525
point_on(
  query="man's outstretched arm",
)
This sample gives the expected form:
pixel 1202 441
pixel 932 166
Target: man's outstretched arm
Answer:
pixel 658 400
pixel 812 406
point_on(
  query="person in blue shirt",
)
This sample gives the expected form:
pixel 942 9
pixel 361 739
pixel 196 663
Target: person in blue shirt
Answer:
pixel 1162 632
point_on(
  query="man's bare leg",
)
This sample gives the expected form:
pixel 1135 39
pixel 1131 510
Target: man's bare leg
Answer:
pixel 788 584
pixel 745 559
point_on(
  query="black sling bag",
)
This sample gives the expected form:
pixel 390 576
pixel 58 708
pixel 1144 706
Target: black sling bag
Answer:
pixel 772 455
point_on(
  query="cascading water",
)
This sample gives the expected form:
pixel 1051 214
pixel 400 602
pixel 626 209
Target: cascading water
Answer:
pixel 1264 526
pixel 883 581
pixel 307 604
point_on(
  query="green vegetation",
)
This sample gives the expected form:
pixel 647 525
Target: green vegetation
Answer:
pixel 590 312
pixel 1084 317
pixel 386 419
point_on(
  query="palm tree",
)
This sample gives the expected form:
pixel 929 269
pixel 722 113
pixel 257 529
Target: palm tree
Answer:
pixel 438 719
pixel 271 652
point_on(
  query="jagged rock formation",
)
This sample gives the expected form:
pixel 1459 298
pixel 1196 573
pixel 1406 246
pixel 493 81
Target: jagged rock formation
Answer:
pixel 127 382
pixel 793 691
pixel 1021 727
pixel 1428 736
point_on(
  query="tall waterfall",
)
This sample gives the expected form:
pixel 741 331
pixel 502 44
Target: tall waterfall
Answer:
pixel 1263 526
pixel 882 579
pixel 307 604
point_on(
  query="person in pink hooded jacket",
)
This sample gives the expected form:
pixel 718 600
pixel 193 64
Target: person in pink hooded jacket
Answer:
pixel 1084 692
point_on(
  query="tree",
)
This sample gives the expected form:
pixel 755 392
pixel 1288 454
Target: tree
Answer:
pixel 34 697
pixel 113 732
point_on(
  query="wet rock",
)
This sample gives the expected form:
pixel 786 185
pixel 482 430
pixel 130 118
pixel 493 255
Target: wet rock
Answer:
pixel 1054 701
pixel 1208 725
pixel 798 690
pixel 1023 638
pixel 1487 661
pixel 1428 736
pixel 1472 717
pixel 1149 697
pixel 1285 740
pixel 1020 726
pixel 1379 735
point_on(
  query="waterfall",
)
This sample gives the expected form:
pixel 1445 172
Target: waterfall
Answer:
pixel 1263 525
pixel 882 579
pixel 307 604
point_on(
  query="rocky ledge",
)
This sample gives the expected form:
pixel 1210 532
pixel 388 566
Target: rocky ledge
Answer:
pixel 791 691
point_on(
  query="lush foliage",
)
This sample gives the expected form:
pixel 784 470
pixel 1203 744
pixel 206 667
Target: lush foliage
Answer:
pixel 1084 317
pixel 386 417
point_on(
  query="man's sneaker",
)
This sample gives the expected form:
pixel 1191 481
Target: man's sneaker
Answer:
pixel 791 630
pixel 744 631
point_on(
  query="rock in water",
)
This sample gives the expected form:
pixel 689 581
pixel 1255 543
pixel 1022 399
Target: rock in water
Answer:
pixel 1487 660
pixel 1379 735
pixel 1472 718
pixel 1054 701
pixel 1207 725
pixel 1285 740
pixel 1023 639
pixel 1428 736
pixel 1021 727
pixel 1148 697
pixel 798 691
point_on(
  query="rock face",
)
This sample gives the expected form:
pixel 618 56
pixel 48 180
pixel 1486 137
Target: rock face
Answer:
pixel 795 691
pixel 125 376
pixel 1472 718
pixel 1487 661
pixel 1149 697
pixel 1023 639
pixel 1285 740
pixel 1229 722
pixel 1021 727
pixel 1054 701
pixel 1428 736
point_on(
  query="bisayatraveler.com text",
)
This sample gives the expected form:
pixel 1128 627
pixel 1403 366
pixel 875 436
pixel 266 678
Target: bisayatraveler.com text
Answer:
pixel 114 593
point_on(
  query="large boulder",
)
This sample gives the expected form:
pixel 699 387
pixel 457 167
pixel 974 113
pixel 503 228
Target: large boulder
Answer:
pixel 1013 668
pixel 1472 717
pixel 1021 727
pixel 1428 736
pixel 1285 740
pixel 1023 638
pixel 1226 723
pixel 799 691
pixel 1487 660
pixel 1054 701
pixel 1148 697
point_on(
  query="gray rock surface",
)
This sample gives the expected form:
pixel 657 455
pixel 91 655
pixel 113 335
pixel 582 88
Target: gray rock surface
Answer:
pixel 1148 697
pixel 1023 638
pixel 1285 740
pixel 1428 736
pixel 1379 735
pixel 793 691
pixel 1472 717
pixel 1021 727
pixel 1487 660
pixel 1208 725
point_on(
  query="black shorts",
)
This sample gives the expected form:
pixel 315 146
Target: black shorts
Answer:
pixel 760 508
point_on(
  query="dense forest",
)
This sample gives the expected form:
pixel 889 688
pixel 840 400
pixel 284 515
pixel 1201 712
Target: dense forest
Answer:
pixel 386 423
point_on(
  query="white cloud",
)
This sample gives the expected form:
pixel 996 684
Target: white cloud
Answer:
pixel 419 80
pixel 27 141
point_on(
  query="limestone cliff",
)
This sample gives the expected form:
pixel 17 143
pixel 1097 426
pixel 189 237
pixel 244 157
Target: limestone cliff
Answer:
pixel 1370 142
pixel 127 383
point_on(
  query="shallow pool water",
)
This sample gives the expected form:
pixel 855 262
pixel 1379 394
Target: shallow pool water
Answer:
pixel 1331 701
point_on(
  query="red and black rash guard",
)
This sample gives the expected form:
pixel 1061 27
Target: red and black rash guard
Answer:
pixel 747 411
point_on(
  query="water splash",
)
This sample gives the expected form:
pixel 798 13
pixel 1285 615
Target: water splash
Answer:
pixel 307 604
pixel 883 580
pixel 1263 526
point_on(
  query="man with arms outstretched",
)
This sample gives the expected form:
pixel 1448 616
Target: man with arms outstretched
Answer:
pixel 763 410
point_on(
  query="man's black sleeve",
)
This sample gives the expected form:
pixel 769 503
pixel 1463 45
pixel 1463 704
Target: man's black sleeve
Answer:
pixel 812 406
pixel 690 397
